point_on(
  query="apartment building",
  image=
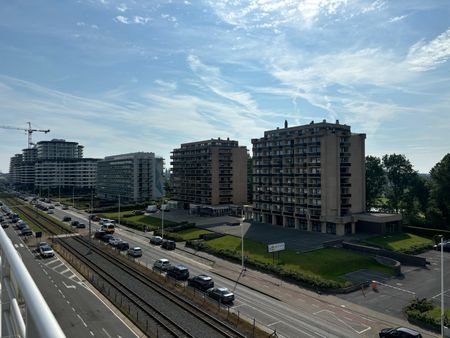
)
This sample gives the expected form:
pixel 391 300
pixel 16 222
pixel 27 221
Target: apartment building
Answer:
pixel 53 164
pixel 310 177
pixel 210 173
pixel 135 177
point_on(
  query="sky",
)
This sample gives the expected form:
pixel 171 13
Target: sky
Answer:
pixel 126 76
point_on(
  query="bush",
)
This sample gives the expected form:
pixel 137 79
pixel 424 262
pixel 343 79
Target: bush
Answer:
pixel 421 310
pixel 180 227
pixel 169 235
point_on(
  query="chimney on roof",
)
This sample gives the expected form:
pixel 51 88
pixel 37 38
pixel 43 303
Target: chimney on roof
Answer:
pixel 285 124
pixel 337 121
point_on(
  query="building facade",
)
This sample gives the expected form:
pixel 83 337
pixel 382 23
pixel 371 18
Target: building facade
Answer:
pixel 135 177
pixel 53 164
pixel 309 177
pixel 211 172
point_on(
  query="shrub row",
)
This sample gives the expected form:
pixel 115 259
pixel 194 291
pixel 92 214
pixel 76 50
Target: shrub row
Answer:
pixel 311 281
pixel 134 213
pixel 417 249
pixel 169 235
pixel 180 227
pixel 426 232
pixel 125 207
pixel 418 310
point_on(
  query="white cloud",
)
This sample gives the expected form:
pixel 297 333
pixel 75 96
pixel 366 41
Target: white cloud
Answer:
pixel 166 84
pixel 424 56
pixel 397 18
pixel 141 20
pixel 122 19
pixel 122 8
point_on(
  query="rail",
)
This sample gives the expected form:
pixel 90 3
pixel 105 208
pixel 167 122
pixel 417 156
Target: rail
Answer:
pixel 19 294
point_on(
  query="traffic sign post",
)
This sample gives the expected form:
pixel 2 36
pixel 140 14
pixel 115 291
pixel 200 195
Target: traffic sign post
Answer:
pixel 276 247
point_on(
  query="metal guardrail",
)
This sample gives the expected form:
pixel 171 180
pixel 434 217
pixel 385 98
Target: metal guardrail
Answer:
pixel 24 312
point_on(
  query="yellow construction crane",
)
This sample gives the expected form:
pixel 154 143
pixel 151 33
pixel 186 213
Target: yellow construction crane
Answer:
pixel 29 130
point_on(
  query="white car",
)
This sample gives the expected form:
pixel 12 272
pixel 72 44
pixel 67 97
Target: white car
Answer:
pixel 114 241
pixel 46 251
pixel 161 264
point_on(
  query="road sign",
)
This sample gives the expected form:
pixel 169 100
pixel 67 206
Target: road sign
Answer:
pixel 38 234
pixel 275 247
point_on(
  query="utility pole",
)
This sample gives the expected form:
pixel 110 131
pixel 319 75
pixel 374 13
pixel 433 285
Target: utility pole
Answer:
pixel 119 211
pixel 162 221
pixel 90 220
pixel 242 239
pixel 442 286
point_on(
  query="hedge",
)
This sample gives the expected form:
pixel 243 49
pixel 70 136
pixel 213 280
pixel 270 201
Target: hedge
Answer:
pixel 312 281
pixel 419 310
pixel 426 232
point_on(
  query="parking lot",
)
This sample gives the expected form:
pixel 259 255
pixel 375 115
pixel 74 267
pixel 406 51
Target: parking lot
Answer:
pixel 393 294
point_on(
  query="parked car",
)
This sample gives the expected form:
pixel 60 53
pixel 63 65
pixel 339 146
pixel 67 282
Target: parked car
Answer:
pixel 99 234
pixel 201 282
pixel 67 219
pixel 122 246
pixel 50 211
pixel 20 225
pixel 222 295
pixel 106 237
pixel 26 232
pixel 81 225
pixel 446 246
pixel 168 244
pixel 114 241
pixel 157 240
pixel 179 272
pixel 74 223
pixel 135 252
pixel 161 264
pixel 65 207
pixel 399 332
pixel 5 224
pixel 46 251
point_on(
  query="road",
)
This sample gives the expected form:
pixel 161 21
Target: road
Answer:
pixel 288 309
pixel 78 309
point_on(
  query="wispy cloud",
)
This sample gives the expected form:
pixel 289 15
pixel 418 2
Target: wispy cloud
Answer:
pixel 122 8
pixel 424 56
pixel 122 19
pixel 397 18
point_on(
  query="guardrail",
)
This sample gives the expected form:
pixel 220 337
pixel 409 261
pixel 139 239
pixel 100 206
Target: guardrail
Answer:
pixel 20 297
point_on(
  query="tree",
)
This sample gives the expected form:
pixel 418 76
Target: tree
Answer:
pixel 400 174
pixel 440 191
pixel 375 181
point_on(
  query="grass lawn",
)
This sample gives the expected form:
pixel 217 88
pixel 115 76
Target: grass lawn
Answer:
pixel 399 241
pixel 436 312
pixel 152 222
pixel 329 263
pixel 194 233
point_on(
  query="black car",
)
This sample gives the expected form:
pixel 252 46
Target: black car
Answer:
pixel 168 244
pixel 67 219
pixel 74 223
pixel 81 225
pixel 99 234
pixel 122 246
pixel 201 282
pixel 106 238
pixel 222 295
pixel 179 272
pixel 399 332
pixel 26 232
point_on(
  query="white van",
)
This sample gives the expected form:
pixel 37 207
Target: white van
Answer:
pixel 135 252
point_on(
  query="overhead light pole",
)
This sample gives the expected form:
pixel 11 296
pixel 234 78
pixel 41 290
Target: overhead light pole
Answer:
pixel 442 286
pixel 242 239
pixel 162 221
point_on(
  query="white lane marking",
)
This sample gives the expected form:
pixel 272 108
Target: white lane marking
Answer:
pixel 106 332
pixel 274 323
pixel 360 332
pixel 21 245
pixel 319 334
pixel 16 245
pixel 58 266
pixel 84 323
pixel 63 272
pixel 67 302
pixel 317 306
pixel 73 309
pixel 349 319
pixel 92 333
pixel 45 272
pixel 51 262
pixel 69 286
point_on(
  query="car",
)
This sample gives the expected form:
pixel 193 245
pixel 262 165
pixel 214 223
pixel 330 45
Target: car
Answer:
pixel 26 232
pixel 99 234
pixel 178 272
pixel 50 211
pixel 157 240
pixel 46 251
pixel 81 225
pixel 65 207
pixel 21 225
pixel 106 237
pixel 67 219
pixel 445 246
pixel 74 223
pixel 135 252
pixel 122 246
pixel 168 244
pixel 161 264
pixel 201 282
pixel 114 241
pixel 51 206
pixel 42 244
pixel 399 332
pixel 5 224
pixel 222 295
pixel 94 218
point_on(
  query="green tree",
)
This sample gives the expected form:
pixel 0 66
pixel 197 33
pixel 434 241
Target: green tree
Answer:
pixel 375 181
pixel 400 175
pixel 440 191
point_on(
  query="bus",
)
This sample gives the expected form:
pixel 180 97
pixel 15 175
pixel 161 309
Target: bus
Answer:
pixel 109 228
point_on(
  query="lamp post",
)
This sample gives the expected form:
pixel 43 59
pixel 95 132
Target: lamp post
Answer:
pixel 242 240
pixel 162 221
pixel 118 223
pixel 90 219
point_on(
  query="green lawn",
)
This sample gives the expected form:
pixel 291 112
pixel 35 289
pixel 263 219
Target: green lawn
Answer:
pixel 193 233
pixel 151 222
pixel 399 241
pixel 329 263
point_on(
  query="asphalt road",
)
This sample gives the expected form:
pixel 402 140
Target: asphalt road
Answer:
pixel 78 310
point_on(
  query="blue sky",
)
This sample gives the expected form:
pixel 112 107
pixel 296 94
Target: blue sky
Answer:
pixel 126 76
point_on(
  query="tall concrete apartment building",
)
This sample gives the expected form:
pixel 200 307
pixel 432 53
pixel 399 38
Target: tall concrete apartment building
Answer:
pixel 210 173
pixel 310 177
pixel 55 164
pixel 135 177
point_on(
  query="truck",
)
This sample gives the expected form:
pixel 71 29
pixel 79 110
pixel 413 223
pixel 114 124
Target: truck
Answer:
pixel 152 208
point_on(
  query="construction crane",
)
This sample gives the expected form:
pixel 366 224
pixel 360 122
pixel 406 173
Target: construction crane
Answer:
pixel 29 130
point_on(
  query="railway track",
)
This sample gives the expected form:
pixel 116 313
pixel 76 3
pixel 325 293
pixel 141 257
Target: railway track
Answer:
pixel 171 313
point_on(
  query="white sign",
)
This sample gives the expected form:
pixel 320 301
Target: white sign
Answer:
pixel 275 247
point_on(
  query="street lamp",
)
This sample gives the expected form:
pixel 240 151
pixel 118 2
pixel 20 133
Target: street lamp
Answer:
pixel 162 220
pixel 442 286
pixel 242 240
